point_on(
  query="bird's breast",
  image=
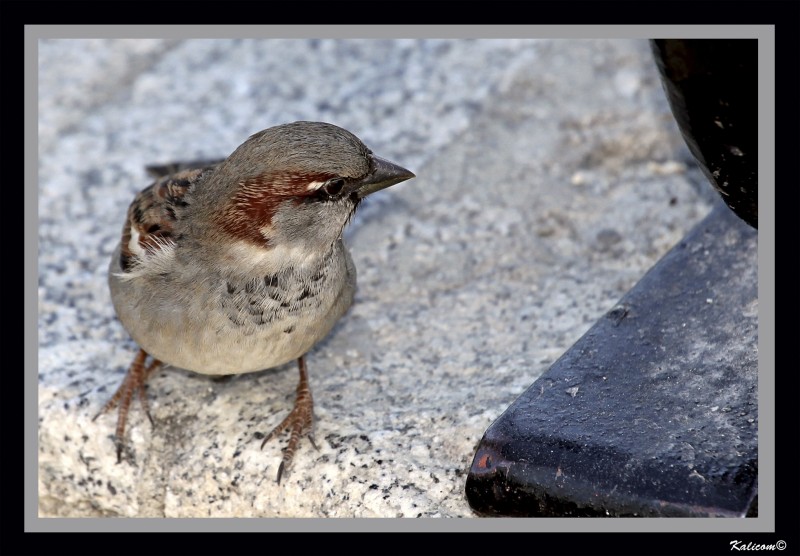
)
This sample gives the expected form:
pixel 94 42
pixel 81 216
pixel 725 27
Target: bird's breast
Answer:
pixel 222 324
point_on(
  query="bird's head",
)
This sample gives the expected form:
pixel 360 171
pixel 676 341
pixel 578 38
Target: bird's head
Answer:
pixel 288 191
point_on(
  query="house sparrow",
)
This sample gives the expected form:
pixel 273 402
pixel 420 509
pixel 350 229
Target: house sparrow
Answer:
pixel 240 266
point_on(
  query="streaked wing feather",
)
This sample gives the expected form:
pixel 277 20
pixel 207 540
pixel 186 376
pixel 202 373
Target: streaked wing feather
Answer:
pixel 162 170
pixel 152 216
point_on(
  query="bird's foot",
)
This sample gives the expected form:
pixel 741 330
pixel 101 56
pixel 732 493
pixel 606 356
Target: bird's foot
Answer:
pixel 299 422
pixel 134 382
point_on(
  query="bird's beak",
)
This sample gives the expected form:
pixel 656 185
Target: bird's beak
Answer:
pixel 383 175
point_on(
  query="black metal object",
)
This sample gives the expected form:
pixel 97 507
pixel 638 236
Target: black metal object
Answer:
pixel 653 412
pixel 712 87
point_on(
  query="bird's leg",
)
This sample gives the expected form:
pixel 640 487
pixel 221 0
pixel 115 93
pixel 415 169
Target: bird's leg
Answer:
pixel 132 383
pixel 300 420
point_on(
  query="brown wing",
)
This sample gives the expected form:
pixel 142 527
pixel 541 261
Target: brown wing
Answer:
pixel 163 170
pixel 152 216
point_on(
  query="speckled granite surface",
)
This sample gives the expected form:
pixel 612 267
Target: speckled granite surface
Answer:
pixel 550 178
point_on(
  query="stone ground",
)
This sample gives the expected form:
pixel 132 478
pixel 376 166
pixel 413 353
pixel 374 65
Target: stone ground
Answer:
pixel 550 177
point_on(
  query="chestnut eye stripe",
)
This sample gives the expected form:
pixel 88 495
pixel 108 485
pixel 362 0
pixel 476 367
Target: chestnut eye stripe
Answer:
pixel 291 184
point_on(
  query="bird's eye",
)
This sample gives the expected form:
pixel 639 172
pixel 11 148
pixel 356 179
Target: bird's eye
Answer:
pixel 333 186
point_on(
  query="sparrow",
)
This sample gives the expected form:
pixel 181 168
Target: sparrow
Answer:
pixel 239 266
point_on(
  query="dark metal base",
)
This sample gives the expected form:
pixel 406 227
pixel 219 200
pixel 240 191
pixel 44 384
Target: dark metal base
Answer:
pixel 654 411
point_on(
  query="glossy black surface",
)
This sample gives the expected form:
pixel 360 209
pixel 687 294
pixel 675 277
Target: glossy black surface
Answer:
pixel 654 411
pixel 712 88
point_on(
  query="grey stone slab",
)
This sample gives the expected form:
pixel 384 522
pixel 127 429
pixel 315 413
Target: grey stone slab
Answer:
pixel 551 176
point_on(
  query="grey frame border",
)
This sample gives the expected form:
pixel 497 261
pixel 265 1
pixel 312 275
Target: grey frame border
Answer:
pixel 766 276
